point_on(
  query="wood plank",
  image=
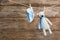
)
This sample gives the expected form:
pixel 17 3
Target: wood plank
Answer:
pixel 21 23
pixel 17 11
pixel 12 8
pixel 12 15
pixel 33 2
pixel 14 34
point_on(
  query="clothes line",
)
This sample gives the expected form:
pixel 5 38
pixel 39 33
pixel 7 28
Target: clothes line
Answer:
pixel 25 5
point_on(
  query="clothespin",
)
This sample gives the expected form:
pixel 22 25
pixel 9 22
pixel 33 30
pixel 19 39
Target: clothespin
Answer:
pixel 44 9
pixel 30 6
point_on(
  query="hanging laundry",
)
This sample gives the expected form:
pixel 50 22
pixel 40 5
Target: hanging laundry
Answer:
pixel 30 14
pixel 44 23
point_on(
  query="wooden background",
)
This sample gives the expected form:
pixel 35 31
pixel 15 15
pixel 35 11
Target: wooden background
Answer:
pixel 13 24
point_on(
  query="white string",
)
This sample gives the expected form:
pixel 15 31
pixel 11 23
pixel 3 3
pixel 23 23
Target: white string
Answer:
pixel 19 3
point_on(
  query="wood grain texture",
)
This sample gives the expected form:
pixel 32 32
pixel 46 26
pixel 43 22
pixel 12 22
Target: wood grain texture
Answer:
pixel 21 23
pixel 13 23
pixel 37 2
pixel 14 34
pixel 17 11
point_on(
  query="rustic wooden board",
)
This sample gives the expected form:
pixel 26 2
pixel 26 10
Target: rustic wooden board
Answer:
pixel 37 2
pixel 14 34
pixel 17 11
pixel 16 23
pixel 13 23
pixel 12 15
pixel 21 23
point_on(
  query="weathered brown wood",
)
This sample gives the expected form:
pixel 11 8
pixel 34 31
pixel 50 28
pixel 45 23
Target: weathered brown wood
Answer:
pixel 12 9
pixel 12 15
pixel 13 23
pixel 17 11
pixel 21 23
pixel 15 34
pixel 33 2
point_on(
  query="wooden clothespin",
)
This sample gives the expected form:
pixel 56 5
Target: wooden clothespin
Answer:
pixel 30 5
pixel 44 9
